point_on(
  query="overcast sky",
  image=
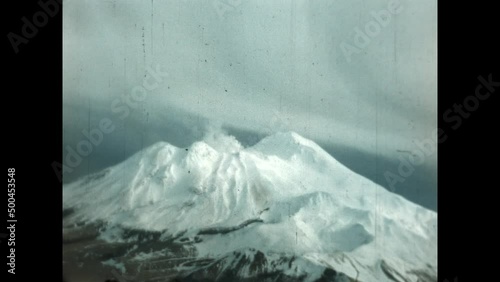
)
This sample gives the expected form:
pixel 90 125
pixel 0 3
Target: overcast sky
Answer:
pixel 254 67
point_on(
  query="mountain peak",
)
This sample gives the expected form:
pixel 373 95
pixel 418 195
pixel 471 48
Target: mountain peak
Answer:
pixel 284 192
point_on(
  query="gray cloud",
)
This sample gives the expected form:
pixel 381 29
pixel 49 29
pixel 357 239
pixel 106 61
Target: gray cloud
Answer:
pixel 239 70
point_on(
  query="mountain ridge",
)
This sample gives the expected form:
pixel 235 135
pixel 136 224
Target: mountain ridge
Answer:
pixel 297 197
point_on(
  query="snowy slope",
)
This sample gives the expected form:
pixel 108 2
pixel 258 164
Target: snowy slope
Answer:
pixel 284 195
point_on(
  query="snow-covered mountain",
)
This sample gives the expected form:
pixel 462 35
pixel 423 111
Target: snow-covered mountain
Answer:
pixel 283 202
